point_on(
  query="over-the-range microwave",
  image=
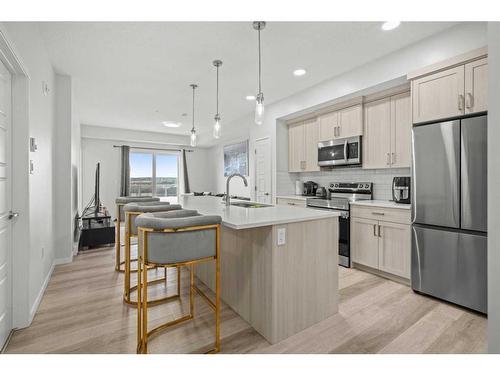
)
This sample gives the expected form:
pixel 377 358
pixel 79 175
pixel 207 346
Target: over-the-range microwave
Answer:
pixel 346 151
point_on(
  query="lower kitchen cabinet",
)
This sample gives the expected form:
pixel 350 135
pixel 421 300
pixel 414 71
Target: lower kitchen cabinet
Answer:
pixel 364 242
pixel 394 249
pixel 379 244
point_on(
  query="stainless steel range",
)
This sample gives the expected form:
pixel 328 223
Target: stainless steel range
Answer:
pixel 338 198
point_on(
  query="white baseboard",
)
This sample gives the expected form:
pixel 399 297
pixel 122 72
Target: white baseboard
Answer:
pixel 39 297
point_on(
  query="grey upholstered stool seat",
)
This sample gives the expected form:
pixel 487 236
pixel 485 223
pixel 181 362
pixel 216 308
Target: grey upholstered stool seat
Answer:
pixel 180 246
pixel 120 217
pixel 132 211
pixel 176 238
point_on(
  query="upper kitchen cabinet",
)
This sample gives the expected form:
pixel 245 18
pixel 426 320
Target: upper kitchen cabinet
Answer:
pixel 451 88
pixel 439 95
pixel 476 86
pixel 387 132
pixel 328 125
pixel 303 138
pixel 350 122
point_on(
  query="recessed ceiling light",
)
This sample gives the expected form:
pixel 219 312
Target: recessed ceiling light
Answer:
pixel 390 25
pixel 299 72
pixel 171 124
pixel 250 97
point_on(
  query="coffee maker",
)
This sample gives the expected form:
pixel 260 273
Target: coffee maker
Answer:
pixel 401 190
pixel 310 188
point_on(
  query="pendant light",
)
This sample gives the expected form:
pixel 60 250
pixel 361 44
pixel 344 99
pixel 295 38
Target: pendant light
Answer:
pixel 259 99
pixel 217 125
pixel 193 131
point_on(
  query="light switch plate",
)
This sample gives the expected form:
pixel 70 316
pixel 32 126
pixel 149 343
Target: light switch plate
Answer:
pixel 281 236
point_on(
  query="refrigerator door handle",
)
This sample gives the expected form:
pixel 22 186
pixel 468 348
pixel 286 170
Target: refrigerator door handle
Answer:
pixel 413 180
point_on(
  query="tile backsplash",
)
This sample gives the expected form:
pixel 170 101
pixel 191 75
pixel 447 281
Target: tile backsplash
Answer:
pixel 381 178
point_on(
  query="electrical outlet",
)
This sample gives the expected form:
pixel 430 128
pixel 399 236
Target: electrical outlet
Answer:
pixel 281 236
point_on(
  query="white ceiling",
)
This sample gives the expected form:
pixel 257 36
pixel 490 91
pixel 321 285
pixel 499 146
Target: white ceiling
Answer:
pixel 136 75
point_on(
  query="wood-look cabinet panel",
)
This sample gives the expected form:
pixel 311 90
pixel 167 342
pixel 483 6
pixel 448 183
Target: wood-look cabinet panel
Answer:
pixel 296 148
pixel 476 86
pixel 395 215
pixel 311 145
pixel 364 242
pixel 377 134
pixel 401 130
pixel 328 126
pixel 439 95
pixel 394 247
pixel 350 121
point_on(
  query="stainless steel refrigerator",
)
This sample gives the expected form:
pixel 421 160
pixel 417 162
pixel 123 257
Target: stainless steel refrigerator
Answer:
pixel 449 211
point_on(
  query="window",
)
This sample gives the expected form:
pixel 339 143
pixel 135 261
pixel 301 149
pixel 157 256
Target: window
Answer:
pixel 154 173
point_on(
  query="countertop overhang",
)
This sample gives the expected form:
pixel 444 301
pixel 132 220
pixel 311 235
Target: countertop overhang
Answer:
pixel 243 218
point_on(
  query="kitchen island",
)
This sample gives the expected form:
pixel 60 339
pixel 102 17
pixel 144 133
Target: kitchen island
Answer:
pixel 279 264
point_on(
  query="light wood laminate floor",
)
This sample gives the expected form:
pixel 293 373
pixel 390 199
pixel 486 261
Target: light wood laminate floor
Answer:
pixel 82 312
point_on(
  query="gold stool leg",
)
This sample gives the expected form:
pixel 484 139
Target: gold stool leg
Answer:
pixel 145 311
pixel 178 280
pixel 126 291
pixel 191 289
pixel 139 305
pixel 117 240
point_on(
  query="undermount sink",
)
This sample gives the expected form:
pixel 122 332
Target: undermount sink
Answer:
pixel 250 204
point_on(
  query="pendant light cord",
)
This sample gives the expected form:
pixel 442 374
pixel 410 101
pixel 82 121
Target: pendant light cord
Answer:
pixel 260 70
pixel 193 109
pixel 217 100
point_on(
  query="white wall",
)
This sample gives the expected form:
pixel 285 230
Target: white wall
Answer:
pixel 27 43
pixel 493 191
pixel 200 169
pixel 391 68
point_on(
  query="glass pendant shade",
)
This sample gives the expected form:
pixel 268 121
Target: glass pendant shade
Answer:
pixel 259 109
pixel 193 138
pixel 217 127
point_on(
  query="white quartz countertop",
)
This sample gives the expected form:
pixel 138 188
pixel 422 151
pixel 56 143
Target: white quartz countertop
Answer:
pixel 298 197
pixel 381 203
pixel 243 218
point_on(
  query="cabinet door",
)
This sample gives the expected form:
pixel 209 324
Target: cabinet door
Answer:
pixel 311 144
pixel 439 96
pixel 296 148
pixel 401 131
pixel 394 249
pixel 476 86
pixel 377 134
pixel 364 241
pixel 350 122
pixel 327 125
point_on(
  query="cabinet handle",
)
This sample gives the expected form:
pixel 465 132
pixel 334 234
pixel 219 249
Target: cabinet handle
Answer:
pixel 375 230
pixel 469 103
pixel 336 131
pixel 460 102
pixel 393 158
pixel 291 204
pixel 338 127
pixel 388 158
pixel 378 213
pixel 379 231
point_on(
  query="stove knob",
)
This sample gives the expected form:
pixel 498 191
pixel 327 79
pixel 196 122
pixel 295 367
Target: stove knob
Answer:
pixel 360 186
pixel 367 186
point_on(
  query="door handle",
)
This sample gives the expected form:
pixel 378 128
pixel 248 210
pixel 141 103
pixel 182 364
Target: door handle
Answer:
pixel 469 103
pixel 12 215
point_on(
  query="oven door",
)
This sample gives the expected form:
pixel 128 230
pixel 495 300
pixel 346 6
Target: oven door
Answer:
pixel 344 236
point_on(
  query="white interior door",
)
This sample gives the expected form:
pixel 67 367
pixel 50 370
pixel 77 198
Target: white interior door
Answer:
pixel 5 205
pixel 263 170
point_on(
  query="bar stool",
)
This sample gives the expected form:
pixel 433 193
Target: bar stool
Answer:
pixel 166 240
pixel 120 217
pixel 132 210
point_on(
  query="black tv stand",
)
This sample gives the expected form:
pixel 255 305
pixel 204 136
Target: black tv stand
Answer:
pixel 96 230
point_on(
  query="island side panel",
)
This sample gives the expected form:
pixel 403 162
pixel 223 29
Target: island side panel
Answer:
pixel 245 286
pixel 305 276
